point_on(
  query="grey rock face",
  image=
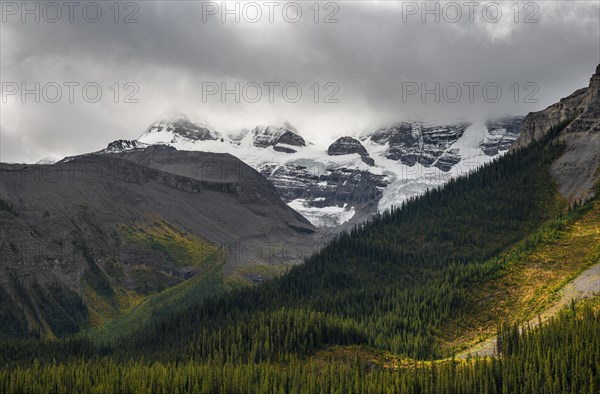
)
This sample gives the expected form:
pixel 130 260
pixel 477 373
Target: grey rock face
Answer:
pixel 578 169
pixel 326 187
pixel 274 135
pixel 284 149
pixel 502 135
pixel 448 159
pixel 124 145
pixel 589 120
pixel 291 138
pixel 59 223
pixel 536 124
pixel 412 143
pixel 348 145
pixel 582 108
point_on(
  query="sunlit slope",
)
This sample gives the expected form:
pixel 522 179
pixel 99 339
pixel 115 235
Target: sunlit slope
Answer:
pixel 392 284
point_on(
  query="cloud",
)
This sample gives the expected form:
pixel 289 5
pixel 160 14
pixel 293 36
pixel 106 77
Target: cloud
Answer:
pixel 372 55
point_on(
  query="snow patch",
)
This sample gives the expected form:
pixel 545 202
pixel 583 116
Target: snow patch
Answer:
pixel 47 160
pixel 332 216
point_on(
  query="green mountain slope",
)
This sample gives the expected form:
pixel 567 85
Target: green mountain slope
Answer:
pixel 558 357
pixel 208 282
pixel 391 284
pixel 371 310
pixel 84 240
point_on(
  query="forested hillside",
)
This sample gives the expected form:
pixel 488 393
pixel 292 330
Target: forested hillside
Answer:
pixel 391 286
pixel 562 356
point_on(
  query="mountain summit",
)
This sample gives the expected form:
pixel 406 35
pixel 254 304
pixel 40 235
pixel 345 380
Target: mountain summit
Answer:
pixel 352 178
pixel 176 129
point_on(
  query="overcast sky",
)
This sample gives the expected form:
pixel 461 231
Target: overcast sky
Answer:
pixel 365 65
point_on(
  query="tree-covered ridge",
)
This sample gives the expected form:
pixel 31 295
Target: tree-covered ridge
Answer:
pixel 532 277
pixel 558 357
pixel 389 284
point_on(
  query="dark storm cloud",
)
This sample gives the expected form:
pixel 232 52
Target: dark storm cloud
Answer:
pixel 370 53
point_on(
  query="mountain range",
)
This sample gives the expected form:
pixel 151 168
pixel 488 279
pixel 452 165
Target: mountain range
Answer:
pixel 97 231
pixel 353 178
pixel 149 245
pixel 408 301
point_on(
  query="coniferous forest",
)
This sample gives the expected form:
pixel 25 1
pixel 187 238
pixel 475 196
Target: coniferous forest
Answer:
pixel 561 356
pixel 388 287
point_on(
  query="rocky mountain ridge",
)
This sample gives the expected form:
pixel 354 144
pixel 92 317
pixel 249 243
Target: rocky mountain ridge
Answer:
pixel 354 177
pixel 82 238
pixel 412 143
pixel 347 146
pixel 578 170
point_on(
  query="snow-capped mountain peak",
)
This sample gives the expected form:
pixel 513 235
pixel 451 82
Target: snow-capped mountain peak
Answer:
pixel 350 179
pixel 277 137
pixel 47 160
pixel 178 128
pixel 124 145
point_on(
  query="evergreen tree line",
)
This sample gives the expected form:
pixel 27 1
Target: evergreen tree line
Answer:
pixel 562 356
pixel 390 284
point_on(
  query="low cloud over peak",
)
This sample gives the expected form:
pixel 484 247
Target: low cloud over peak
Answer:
pixel 333 70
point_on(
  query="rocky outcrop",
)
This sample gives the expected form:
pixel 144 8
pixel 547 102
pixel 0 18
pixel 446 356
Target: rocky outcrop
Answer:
pixel 448 159
pixel 347 146
pixel 502 134
pixel 124 145
pixel 321 187
pixel 283 149
pixel 536 124
pixel 291 138
pixel 578 169
pixel 582 108
pixel 265 137
pixel 589 120
pixel 412 143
